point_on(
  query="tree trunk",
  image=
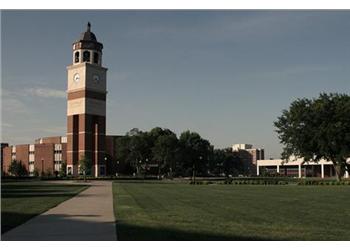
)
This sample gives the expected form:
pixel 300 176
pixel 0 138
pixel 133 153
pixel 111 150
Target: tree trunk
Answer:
pixel 158 171
pixel 339 170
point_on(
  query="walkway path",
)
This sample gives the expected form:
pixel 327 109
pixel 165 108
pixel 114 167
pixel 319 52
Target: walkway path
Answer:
pixel 87 216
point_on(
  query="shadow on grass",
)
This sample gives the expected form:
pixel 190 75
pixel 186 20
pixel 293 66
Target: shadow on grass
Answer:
pixel 12 220
pixel 27 191
pixel 127 232
pixel 59 227
pixel 37 194
pixel 29 185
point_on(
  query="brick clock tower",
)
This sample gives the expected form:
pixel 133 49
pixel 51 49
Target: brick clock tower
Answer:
pixel 86 105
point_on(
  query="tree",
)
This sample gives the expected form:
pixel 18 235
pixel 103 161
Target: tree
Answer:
pixel 85 166
pixel 317 128
pixel 17 169
pixel 227 162
pixel 63 169
pixel 164 152
pixel 233 164
pixel 194 153
pixel 218 158
pixel 139 150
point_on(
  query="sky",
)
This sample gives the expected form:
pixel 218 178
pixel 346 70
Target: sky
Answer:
pixel 224 74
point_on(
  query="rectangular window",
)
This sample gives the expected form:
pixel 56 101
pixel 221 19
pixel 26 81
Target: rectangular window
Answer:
pixel 96 57
pixel 86 56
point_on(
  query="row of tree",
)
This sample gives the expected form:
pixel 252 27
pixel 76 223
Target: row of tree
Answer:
pixel 186 155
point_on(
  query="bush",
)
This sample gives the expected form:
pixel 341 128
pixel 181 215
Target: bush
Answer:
pixel 17 169
pixel 35 173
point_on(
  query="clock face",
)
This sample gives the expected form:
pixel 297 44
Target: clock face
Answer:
pixel 76 77
pixel 96 78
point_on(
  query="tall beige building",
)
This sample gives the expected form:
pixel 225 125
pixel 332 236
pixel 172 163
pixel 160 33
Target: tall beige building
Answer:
pixel 86 107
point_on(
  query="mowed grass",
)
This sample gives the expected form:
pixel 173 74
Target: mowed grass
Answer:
pixel 23 200
pixel 148 211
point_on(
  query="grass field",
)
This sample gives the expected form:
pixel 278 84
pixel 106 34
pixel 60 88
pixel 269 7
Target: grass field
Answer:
pixel 23 200
pixel 146 211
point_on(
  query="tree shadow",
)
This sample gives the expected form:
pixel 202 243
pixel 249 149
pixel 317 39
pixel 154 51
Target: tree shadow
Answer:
pixel 80 227
pixel 19 191
pixel 129 232
pixel 12 220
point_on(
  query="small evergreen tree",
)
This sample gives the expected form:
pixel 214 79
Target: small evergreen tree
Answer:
pixel 17 169
pixel 85 166
pixel 63 169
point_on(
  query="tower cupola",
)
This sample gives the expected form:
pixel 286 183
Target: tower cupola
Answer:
pixel 87 49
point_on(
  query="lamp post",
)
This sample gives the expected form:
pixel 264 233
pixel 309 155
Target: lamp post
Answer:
pixel 139 167
pixel 42 166
pixel 116 169
pixel 193 174
pixel 105 164
pixel 194 170
pixel 146 166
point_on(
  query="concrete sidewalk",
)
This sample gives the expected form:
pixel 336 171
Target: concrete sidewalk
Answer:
pixel 87 216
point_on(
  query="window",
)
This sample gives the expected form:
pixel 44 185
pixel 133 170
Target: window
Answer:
pixel 76 57
pixel 96 57
pixel 86 56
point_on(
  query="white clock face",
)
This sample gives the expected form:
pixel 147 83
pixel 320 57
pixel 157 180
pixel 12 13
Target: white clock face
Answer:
pixel 96 78
pixel 76 77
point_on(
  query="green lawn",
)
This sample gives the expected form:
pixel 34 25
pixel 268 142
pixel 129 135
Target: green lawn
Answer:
pixel 149 211
pixel 22 200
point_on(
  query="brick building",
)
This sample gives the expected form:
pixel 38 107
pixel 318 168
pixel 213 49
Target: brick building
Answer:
pixel 48 154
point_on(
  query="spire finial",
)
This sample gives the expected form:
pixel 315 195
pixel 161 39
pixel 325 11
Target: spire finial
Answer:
pixel 88 26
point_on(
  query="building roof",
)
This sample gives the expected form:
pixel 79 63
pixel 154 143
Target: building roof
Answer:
pixel 87 40
pixel 88 35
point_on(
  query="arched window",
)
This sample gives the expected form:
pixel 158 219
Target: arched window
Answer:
pixel 76 57
pixel 86 56
pixel 96 57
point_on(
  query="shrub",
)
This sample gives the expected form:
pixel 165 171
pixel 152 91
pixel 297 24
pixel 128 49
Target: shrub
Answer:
pixel 17 169
pixel 35 172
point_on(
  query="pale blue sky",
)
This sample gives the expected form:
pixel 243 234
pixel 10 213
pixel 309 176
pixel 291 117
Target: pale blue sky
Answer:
pixel 224 74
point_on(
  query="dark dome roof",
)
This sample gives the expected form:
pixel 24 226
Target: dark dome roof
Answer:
pixel 88 35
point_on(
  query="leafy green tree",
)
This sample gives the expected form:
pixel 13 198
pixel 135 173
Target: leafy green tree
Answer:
pixel 233 164
pixel 17 169
pixel 228 162
pixel 217 161
pixel 85 166
pixel 194 153
pixel 317 128
pixel 139 150
pixel 63 169
pixel 122 152
pixel 164 152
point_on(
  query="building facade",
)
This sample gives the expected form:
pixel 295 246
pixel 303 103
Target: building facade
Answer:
pixel 44 157
pixel 297 168
pixel 47 155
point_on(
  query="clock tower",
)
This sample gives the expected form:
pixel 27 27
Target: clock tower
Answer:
pixel 86 105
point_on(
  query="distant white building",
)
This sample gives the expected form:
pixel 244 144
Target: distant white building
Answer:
pixel 237 147
pixel 298 168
